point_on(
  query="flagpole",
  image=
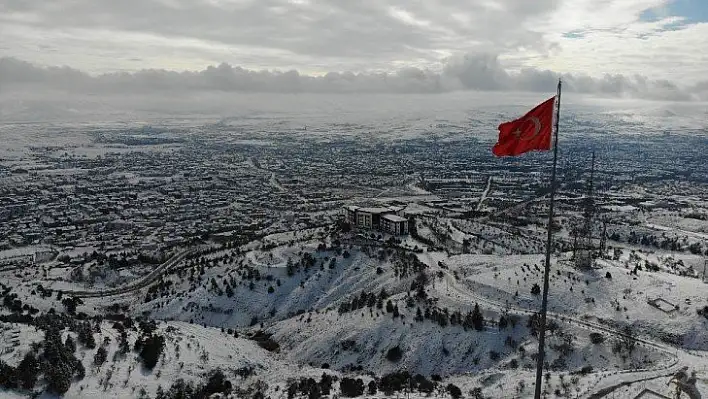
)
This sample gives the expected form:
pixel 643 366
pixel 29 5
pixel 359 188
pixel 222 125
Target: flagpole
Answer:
pixel 547 267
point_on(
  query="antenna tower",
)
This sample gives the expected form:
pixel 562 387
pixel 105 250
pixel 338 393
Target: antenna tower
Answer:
pixel 584 248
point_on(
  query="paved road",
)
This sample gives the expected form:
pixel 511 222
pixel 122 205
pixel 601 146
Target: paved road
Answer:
pixel 134 285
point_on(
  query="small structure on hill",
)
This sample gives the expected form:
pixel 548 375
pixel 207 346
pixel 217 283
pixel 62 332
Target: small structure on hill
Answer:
pixel 663 305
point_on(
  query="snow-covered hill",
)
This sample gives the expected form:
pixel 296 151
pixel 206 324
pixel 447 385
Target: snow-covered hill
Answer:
pixel 294 306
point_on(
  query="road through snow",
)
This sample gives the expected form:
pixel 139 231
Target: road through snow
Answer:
pixel 606 381
pixel 133 285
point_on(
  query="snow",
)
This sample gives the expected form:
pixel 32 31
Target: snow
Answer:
pixel 302 315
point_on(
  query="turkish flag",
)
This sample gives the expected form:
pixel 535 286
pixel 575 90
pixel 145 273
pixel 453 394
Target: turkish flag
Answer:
pixel 530 132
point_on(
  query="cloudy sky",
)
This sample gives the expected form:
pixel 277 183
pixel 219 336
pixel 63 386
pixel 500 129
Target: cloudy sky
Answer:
pixel 647 48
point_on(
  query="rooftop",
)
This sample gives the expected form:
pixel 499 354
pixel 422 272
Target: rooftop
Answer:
pixel 394 218
pixel 374 210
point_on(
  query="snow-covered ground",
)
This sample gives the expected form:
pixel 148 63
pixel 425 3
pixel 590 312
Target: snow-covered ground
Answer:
pixel 292 285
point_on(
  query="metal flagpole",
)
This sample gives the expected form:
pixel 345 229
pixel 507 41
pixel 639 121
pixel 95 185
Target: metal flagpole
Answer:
pixel 547 268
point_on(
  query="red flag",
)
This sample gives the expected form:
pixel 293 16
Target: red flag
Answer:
pixel 530 132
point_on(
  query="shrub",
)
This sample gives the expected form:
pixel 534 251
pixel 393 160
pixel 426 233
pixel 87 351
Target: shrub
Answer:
pixel 351 388
pixel 180 389
pixel 423 385
pixel 535 289
pixel 514 364
pixel 217 383
pixel 393 382
pixel 394 354
pixel 596 338
pixel 266 341
pixel 454 391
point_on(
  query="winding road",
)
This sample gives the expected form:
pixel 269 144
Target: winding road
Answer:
pixel 607 381
pixel 134 285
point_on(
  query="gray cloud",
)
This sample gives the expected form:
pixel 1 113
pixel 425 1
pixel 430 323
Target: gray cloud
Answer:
pixel 470 72
pixel 357 34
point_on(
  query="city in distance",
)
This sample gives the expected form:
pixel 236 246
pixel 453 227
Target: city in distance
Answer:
pixel 227 245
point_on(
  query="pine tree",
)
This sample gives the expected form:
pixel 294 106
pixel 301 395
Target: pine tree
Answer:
pixel 442 319
pixel 326 383
pixel 467 323
pixel 58 378
pixel 383 294
pixel 371 301
pixel 418 315
pixel 7 375
pixel 290 267
pixel 363 299
pixel 70 344
pixel 151 349
pixel 85 335
pixel 123 346
pixel 477 318
pixel 389 306
pixel 420 293
pixel 535 289
pixel 160 393
pixel 453 319
pixel 27 371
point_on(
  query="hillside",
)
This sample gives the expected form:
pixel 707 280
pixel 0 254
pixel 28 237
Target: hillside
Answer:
pixel 266 313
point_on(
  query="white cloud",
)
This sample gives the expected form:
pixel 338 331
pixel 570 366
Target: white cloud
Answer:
pixel 314 37
pixel 609 36
pixel 407 17
pixel 470 72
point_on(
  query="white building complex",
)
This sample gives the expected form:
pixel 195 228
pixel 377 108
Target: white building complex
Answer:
pixel 389 219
